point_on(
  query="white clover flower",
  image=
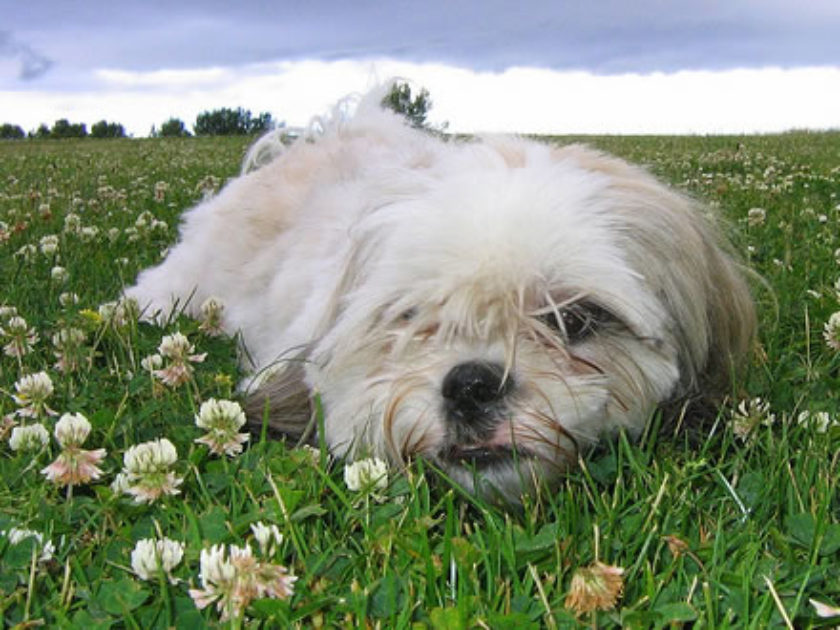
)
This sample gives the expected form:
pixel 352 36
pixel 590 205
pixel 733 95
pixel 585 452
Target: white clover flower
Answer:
pixel 180 353
pixel 32 393
pixel 74 465
pixel 49 245
pixel 756 216
pixel 749 415
pixel 147 468
pixel 151 556
pixel 214 413
pixel 59 274
pixel 837 255
pixel 88 233
pixel 21 337
pixel 143 219
pixel 175 346
pixel 16 535
pixel 72 222
pixel 222 420
pixel 151 362
pixel 234 582
pixel 268 537
pixel 33 437
pixel 160 190
pixel 26 253
pixel 819 421
pixel 149 457
pixel 366 474
pixel 831 331
pixel 68 298
pixel 72 429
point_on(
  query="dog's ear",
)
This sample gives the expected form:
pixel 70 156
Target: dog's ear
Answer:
pixel 282 403
pixel 730 310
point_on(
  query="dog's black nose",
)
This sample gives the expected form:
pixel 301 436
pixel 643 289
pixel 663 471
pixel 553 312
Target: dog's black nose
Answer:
pixel 470 389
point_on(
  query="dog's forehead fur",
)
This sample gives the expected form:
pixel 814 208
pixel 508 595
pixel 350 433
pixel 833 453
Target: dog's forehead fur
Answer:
pixel 478 239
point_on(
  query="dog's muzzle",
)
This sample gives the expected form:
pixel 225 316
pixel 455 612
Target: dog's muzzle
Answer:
pixel 474 399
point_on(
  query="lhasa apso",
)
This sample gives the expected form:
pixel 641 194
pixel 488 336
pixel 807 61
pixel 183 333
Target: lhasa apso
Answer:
pixel 491 305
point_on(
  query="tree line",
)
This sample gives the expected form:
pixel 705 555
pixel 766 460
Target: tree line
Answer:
pixel 63 128
pixel 217 122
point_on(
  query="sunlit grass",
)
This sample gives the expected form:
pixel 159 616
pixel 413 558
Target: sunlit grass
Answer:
pixel 740 528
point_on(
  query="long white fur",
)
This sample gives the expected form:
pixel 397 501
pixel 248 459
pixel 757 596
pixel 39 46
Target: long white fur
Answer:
pixel 381 256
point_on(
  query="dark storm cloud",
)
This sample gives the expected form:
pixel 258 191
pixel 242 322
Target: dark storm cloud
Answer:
pixel 602 36
pixel 31 63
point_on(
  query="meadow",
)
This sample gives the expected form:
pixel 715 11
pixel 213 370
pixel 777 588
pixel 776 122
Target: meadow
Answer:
pixel 737 529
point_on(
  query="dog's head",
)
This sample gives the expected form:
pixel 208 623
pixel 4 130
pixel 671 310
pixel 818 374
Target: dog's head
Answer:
pixel 510 303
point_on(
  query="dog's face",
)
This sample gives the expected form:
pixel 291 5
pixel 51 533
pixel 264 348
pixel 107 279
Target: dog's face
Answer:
pixel 515 306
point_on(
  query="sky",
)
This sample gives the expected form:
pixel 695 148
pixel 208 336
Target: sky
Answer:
pixel 543 66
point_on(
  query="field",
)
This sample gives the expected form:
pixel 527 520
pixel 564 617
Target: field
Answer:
pixel 740 529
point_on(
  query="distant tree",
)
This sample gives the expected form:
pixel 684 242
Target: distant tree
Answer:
pixel 414 108
pixel 41 133
pixel 261 123
pixel 104 129
pixel 173 128
pixel 11 132
pixel 64 129
pixel 231 122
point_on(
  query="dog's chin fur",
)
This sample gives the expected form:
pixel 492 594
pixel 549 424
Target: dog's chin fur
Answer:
pixel 493 306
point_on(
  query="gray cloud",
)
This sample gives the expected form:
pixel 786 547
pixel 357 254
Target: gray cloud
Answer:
pixel 32 63
pixel 602 36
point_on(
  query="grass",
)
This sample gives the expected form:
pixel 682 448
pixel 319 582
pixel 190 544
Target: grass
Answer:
pixel 738 531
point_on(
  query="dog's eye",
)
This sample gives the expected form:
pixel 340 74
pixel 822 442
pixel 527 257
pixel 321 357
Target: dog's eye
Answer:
pixel 408 314
pixel 576 322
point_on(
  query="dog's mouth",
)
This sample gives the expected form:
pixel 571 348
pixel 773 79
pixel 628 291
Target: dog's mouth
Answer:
pixel 479 457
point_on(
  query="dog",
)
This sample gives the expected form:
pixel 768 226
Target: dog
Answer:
pixel 494 306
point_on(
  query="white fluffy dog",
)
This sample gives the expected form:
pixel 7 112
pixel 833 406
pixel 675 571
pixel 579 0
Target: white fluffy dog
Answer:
pixel 491 306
